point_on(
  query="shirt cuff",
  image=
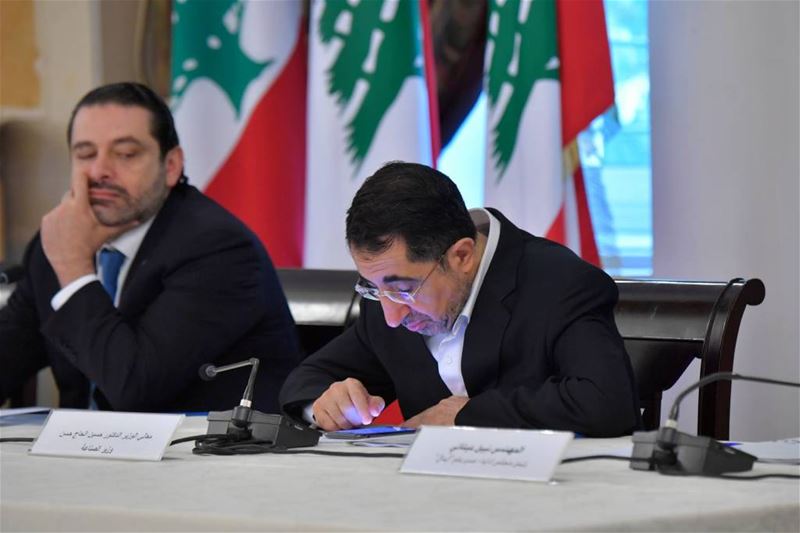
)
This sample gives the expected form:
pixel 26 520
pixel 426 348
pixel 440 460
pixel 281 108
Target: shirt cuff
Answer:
pixel 66 293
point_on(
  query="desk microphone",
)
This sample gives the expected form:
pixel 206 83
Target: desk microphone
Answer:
pixel 238 428
pixel 673 452
pixel 243 423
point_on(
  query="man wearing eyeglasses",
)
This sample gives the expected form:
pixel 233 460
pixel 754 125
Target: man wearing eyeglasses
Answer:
pixel 466 319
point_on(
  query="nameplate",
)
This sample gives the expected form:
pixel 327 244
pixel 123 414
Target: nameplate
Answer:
pixel 106 434
pixel 488 453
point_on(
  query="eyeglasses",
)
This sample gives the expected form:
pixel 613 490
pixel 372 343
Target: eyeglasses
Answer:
pixel 399 297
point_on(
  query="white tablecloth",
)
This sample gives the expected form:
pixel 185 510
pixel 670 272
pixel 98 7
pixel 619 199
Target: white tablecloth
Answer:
pixel 310 492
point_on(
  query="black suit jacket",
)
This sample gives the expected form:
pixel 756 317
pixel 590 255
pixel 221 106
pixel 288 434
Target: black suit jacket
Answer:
pixel 541 349
pixel 201 289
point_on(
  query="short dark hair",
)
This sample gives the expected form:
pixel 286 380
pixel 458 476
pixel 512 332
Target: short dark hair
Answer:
pixel 162 125
pixel 414 202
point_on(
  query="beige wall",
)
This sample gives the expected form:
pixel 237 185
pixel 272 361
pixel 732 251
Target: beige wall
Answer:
pixel 726 172
pixel 81 44
pixel 19 79
pixel 33 152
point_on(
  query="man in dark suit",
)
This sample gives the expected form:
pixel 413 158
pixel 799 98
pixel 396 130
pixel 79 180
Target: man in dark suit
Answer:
pixel 500 328
pixel 136 279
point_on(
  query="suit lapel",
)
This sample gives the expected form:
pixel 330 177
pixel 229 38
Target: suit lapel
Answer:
pixel 417 359
pixel 482 341
pixel 161 225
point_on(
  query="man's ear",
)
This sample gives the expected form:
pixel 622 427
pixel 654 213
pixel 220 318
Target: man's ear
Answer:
pixel 462 254
pixel 173 164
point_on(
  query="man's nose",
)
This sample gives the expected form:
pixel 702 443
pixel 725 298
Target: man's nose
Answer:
pixel 393 312
pixel 100 167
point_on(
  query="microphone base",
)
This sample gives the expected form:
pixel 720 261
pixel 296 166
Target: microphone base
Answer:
pixel 691 455
pixel 281 431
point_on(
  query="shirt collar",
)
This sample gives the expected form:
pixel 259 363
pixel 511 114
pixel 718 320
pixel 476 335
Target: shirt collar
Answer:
pixel 487 224
pixel 129 242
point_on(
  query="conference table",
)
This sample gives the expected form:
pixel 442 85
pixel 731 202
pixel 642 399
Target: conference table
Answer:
pixel 304 492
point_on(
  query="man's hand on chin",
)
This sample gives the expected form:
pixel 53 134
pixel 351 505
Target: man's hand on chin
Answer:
pixel 442 414
pixel 71 234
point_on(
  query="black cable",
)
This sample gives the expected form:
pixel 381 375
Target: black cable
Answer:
pixel 223 445
pixel 195 437
pixel 650 460
pixel 717 376
pixel 344 454
pixel 17 439
pixel 759 476
pixel 613 457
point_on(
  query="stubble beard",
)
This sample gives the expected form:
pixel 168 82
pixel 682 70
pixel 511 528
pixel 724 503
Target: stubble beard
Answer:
pixel 444 323
pixel 132 209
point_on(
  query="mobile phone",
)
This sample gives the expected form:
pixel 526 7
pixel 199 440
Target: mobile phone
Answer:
pixel 368 432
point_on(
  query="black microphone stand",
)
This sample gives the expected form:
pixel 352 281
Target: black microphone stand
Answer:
pixel 674 452
pixel 243 423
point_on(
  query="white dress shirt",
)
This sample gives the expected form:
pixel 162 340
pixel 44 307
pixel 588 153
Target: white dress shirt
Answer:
pixel 448 347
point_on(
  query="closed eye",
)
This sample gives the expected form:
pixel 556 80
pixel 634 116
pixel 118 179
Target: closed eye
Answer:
pixel 406 289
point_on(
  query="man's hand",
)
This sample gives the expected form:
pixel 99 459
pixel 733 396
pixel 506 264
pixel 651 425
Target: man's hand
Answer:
pixel 442 414
pixel 346 404
pixel 71 234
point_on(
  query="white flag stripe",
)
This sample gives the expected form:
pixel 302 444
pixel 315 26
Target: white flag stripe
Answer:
pixel 531 190
pixel 331 183
pixel 334 173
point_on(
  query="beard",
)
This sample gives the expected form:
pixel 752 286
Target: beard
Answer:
pixel 430 326
pixel 124 208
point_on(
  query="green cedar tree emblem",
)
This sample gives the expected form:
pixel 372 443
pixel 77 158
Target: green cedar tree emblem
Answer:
pixel 524 49
pixel 205 44
pixel 380 46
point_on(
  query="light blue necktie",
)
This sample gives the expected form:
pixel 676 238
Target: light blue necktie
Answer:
pixel 110 265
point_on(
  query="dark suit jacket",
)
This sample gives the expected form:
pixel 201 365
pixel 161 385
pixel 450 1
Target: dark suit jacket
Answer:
pixel 201 289
pixel 541 349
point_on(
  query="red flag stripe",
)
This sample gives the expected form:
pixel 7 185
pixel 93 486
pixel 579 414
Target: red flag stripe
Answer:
pixel 587 90
pixel 430 80
pixel 587 83
pixel 263 180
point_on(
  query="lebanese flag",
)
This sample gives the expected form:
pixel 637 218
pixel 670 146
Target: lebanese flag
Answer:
pixel 548 75
pixel 371 99
pixel 239 101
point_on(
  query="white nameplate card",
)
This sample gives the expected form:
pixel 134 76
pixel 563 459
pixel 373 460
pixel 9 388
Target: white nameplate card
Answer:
pixel 484 452
pixel 106 434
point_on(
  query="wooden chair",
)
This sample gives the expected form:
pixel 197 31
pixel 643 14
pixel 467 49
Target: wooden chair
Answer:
pixel 323 303
pixel 667 324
